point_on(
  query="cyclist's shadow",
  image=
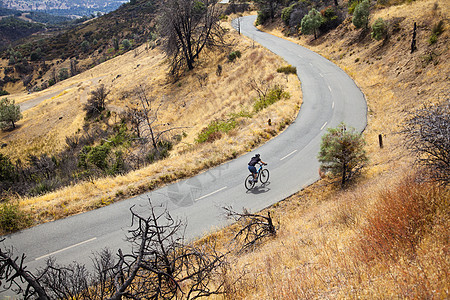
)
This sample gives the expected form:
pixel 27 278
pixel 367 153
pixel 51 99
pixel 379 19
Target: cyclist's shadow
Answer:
pixel 259 189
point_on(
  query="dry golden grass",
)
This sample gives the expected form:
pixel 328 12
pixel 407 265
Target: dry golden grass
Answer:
pixel 186 103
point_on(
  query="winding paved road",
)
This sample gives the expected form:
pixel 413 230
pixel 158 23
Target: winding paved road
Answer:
pixel 329 97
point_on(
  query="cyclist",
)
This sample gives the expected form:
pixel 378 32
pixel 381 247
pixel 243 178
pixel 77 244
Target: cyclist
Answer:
pixel 251 166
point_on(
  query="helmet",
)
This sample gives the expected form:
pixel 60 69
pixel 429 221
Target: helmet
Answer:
pixel 257 155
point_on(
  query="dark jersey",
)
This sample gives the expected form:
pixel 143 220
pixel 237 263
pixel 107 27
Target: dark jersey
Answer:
pixel 254 161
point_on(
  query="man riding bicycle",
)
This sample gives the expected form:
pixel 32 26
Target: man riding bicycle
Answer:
pixel 251 166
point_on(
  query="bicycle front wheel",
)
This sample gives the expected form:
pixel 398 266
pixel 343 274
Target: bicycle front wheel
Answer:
pixel 249 183
pixel 264 176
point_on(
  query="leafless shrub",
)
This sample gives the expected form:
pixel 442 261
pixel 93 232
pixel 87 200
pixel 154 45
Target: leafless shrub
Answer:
pixel 202 79
pixel 254 228
pixel 260 86
pixel 161 265
pixel 427 136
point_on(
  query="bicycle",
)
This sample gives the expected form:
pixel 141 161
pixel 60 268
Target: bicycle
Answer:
pixel 261 175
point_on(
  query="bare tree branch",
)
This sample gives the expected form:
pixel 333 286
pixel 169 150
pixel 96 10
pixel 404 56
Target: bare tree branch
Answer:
pixel 254 227
pixel 427 136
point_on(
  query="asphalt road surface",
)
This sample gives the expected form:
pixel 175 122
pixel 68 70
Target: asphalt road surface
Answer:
pixel 329 98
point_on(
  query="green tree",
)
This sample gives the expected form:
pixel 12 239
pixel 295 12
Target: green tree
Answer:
pixel 267 10
pixel 311 22
pixel 9 113
pixel 361 15
pixel 342 152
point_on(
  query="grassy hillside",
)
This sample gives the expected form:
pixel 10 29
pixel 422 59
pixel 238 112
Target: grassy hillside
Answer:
pixel 85 43
pixel 194 102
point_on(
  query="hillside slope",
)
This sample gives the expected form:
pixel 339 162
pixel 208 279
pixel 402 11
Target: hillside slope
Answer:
pixel 201 98
pixel 57 53
pixel 386 237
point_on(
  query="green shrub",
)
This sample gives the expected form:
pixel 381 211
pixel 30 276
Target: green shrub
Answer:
pixel 233 55
pixel 162 151
pixel 42 188
pixel 361 14
pixel 214 129
pixel 311 22
pixel 118 166
pixel 433 39
pixel 437 30
pixel 286 14
pixel 12 218
pixel 351 6
pixel 94 155
pixel 275 94
pixel 263 16
pixel 379 29
pixel 6 169
pixel 126 44
pixel 287 70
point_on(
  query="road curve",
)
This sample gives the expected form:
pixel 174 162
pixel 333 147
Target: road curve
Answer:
pixel 329 97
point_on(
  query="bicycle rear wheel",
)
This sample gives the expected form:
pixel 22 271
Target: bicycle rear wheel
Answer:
pixel 264 176
pixel 249 183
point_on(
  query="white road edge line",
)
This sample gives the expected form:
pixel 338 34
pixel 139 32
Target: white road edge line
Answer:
pixel 325 124
pixel 64 249
pixel 210 194
pixel 329 87
pixel 288 155
pixel 332 105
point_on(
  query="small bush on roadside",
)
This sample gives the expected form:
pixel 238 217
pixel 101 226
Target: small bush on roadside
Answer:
pixel 287 70
pixel 213 131
pixel 275 94
pixel 12 218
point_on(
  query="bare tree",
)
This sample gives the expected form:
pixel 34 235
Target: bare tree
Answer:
pixel 15 277
pixel 187 28
pixel 161 265
pixel 427 136
pixel 254 228
pixel 145 118
pixel 97 102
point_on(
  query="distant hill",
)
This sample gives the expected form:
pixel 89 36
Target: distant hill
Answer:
pixel 12 28
pixel 40 59
pixel 64 7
